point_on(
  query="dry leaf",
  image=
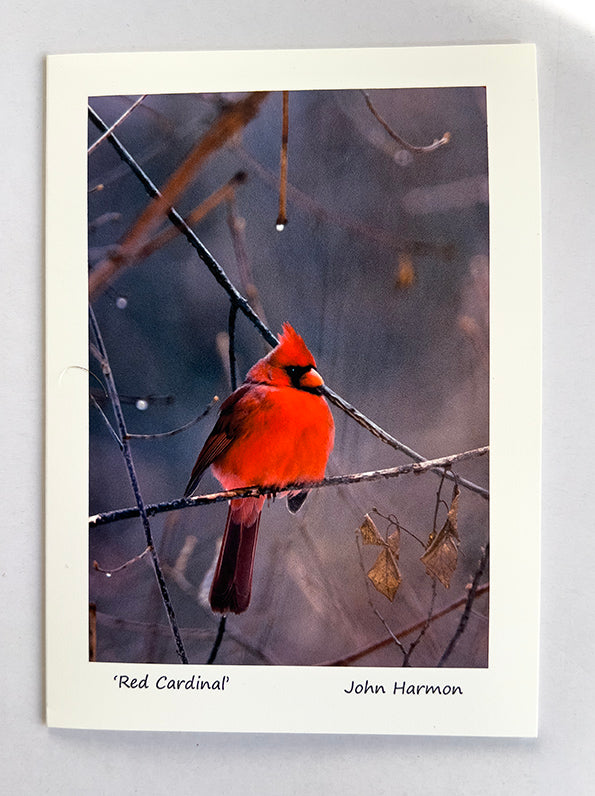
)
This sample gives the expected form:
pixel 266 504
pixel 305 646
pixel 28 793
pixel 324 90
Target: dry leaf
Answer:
pixel 442 552
pixel 369 532
pixel 385 575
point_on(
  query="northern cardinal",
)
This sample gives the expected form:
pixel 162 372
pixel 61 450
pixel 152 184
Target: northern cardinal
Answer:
pixel 276 429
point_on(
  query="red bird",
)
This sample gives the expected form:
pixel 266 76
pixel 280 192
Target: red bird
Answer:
pixel 275 429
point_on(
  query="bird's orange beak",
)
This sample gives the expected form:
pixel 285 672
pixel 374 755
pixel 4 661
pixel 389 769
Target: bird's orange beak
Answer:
pixel 311 379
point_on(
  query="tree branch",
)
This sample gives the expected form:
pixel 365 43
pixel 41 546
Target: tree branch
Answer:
pixel 416 468
pixel 473 592
pixel 180 429
pixel 202 210
pixel 282 217
pixel 218 640
pixel 385 642
pixel 118 121
pixel 436 144
pixel 110 572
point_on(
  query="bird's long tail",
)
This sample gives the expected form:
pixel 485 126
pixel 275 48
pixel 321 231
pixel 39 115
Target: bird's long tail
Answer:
pixel 232 582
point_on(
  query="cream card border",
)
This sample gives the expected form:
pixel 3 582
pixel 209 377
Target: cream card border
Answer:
pixel 500 700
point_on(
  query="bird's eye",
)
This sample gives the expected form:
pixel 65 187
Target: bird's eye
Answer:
pixel 295 373
pixel 298 370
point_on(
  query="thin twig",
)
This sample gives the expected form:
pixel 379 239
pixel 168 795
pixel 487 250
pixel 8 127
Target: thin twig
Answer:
pixel 428 621
pixel 113 394
pixel 251 315
pixel 195 216
pixel 119 121
pixel 133 560
pixel 135 400
pixel 180 429
pixel 254 491
pixel 233 379
pixel 473 592
pixel 94 400
pixel 392 519
pixel 110 428
pixel 282 217
pixel 237 229
pixel 438 501
pixel 425 627
pixel 218 640
pixel 233 311
pixel 385 642
pixel 436 144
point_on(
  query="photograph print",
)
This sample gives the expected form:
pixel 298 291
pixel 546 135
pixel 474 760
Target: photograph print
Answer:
pixel 289 301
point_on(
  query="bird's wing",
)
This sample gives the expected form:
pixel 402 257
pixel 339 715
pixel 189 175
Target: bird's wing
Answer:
pixel 220 438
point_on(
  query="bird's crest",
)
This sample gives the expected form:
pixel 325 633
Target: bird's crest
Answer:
pixel 291 349
pixel 291 352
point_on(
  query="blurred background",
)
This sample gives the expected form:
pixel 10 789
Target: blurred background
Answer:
pixel 383 269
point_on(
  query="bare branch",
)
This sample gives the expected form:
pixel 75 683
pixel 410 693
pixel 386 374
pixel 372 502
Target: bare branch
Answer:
pixel 428 621
pixel 92 632
pixel 282 217
pixel 437 505
pixel 133 560
pixel 195 216
pixel 231 325
pixel 237 228
pixel 110 428
pixel 473 592
pixel 425 627
pixel 385 642
pixel 139 401
pixel 416 468
pixel 180 429
pixel 218 640
pixel 436 144
pixel 119 121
